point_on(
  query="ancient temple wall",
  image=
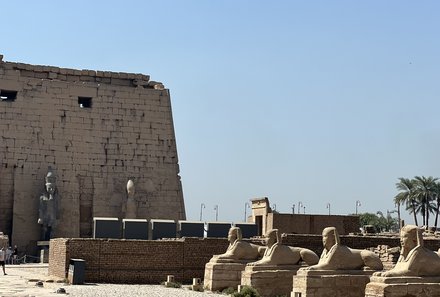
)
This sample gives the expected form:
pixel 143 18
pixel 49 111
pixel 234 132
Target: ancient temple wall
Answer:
pixel 312 224
pixel 96 130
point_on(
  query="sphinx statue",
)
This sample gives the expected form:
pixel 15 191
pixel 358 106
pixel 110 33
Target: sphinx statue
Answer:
pixel 339 257
pixel 272 275
pixel 278 254
pixel 48 208
pixel 239 250
pixel 415 259
pixel 224 270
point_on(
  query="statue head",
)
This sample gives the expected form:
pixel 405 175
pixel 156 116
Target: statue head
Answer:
pixel 234 234
pixel 330 237
pixel 411 236
pixel 130 187
pixel 272 237
pixel 50 182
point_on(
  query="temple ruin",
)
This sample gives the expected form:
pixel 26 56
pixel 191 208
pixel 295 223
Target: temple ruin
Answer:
pixel 95 130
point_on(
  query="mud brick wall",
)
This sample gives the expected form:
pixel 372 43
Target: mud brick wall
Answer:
pixel 135 261
pixel 198 251
pixel 311 224
pixel 57 257
pixel 126 132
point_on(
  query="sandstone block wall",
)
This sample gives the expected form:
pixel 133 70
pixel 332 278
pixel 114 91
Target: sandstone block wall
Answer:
pixel 96 130
pixel 135 261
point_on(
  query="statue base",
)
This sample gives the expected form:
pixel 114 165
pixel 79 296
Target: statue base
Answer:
pixel 330 283
pixel 270 280
pixel 403 286
pixel 219 276
pixel 43 247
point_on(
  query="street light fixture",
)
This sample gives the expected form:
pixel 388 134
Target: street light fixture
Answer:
pixel 202 206
pixel 246 206
pixel 358 203
pixel 216 212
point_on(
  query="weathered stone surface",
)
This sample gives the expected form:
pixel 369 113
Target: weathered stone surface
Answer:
pixel 224 270
pixel 328 283
pixel 270 280
pixel 126 133
pixel 278 254
pixel 340 257
pixel 415 259
pixel 403 287
pixel 219 276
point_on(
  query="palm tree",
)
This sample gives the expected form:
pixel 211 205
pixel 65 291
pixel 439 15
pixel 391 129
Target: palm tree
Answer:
pixel 406 187
pixel 425 192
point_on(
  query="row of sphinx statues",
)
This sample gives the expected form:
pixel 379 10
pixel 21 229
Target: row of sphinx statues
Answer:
pixel 414 260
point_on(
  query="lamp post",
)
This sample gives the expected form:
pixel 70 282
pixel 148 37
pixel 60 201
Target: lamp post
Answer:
pixel 300 204
pixel 304 209
pixel 246 206
pixel 202 206
pixel 398 215
pixel 328 207
pixel 389 218
pixel 358 203
pixel 216 212
pixel 293 208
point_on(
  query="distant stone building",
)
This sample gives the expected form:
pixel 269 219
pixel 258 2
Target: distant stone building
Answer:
pixel 95 130
pixel 266 219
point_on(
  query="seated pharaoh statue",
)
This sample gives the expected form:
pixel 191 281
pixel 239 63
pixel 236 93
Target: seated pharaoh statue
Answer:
pixel 340 257
pixel 238 250
pixel 415 259
pixel 278 254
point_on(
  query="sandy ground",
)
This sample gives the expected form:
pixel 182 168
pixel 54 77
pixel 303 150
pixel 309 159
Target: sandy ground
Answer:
pixel 21 280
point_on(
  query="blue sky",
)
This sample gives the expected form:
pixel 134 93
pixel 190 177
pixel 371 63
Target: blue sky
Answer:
pixel 312 101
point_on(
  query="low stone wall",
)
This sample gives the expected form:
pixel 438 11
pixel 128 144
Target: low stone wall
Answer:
pixel 150 261
pixel 135 261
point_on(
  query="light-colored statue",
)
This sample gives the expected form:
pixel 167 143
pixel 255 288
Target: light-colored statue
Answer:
pixel 278 254
pixel 340 257
pixel 131 205
pixel 48 209
pixel 239 250
pixel 415 259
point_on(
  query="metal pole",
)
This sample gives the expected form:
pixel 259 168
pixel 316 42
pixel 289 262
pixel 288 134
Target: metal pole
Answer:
pixel 358 203
pixel 246 205
pixel 202 206
pixel 300 204
pixel 216 212
pixel 293 208
pixel 328 206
